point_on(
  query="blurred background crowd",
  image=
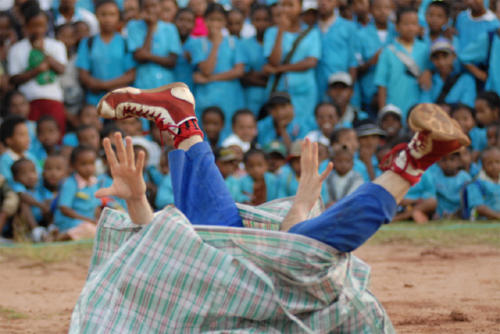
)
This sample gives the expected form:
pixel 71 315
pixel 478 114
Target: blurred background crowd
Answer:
pixel 265 74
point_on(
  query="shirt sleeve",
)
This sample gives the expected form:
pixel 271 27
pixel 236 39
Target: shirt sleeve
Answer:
pixel 135 36
pixel 83 55
pixel 382 69
pixel 175 45
pixel 15 61
pixel 67 193
pixel 58 51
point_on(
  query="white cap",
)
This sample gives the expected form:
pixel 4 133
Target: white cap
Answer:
pixel 390 109
pixel 341 77
pixel 309 4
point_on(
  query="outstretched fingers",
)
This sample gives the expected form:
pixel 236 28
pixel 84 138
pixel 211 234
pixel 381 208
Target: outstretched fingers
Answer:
pixel 110 154
pixel 326 172
pixel 120 148
pixel 130 153
pixel 141 158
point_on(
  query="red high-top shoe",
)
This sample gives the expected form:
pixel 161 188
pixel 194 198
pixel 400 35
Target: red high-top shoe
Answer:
pixel 436 135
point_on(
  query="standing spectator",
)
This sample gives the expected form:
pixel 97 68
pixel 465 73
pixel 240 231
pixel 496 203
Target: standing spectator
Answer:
pixel 473 22
pixel 35 64
pixel 168 10
pixel 7 38
pixel 293 52
pixel 68 12
pixel 104 62
pixel 220 63
pixel 155 45
pixel 130 10
pixel 247 8
pixel 255 80
pixel 199 7
pixel 235 21
pixel 184 21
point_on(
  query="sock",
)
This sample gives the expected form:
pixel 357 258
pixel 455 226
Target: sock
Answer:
pixel 186 130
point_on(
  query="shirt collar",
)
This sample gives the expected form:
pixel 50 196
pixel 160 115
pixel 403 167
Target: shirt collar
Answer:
pixel 483 176
pixel 13 154
pixel 82 183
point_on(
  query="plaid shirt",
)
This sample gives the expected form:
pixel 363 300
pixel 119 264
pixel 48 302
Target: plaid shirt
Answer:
pixel 172 277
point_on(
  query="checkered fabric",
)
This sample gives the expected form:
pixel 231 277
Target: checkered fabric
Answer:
pixel 172 277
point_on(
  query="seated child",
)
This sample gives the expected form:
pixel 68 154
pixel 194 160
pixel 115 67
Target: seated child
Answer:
pixel 327 118
pixel 276 157
pixel 370 136
pixel 449 181
pixel 77 208
pixel 483 194
pixel 347 137
pixel 85 116
pixel 487 108
pixel 467 163
pixel 493 135
pixel 48 138
pixel 244 127
pixel 227 163
pixel 259 185
pixel 15 136
pixel 9 204
pixel 130 126
pixel 464 115
pixel 390 121
pixel 420 202
pixel 17 104
pixel 165 193
pixel 343 180
pixel 212 123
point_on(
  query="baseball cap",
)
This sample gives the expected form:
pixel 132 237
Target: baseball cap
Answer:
pixel 295 149
pixel 369 129
pixel 309 4
pixel 389 109
pixel 340 77
pixel 442 45
pixel 225 154
pixel 279 98
pixel 275 147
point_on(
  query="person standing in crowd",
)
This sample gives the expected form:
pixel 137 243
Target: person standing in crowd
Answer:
pixel 35 64
pixel 68 12
pixel 220 63
pixel 293 51
pixel 155 45
pixel 184 21
pixel 474 21
pixel 104 61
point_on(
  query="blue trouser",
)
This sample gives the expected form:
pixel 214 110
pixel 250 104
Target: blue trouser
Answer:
pixel 201 194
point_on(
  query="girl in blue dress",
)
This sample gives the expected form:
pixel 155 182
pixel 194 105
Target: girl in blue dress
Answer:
pixel 184 21
pixel 297 77
pixel 220 63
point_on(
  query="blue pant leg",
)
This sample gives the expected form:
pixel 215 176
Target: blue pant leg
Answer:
pixel 199 189
pixel 351 221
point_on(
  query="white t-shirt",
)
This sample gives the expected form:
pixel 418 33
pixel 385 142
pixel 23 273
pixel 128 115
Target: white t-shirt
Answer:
pixel 17 61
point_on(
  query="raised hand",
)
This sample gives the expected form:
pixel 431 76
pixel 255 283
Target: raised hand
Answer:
pixel 128 182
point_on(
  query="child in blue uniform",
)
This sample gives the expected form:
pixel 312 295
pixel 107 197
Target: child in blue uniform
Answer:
pixel 399 83
pixel 464 115
pixel 420 202
pixel 77 207
pixel 220 63
pixel 297 77
pixel 184 21
pixel 474 21
pixel 448 86
pixel 255 80
pixel 227 163
pixel 103 60
pixel 483 194
pixel 165 193
pixel 487 108
pixel 155 45
pixel 449 181
pixel 48 138
pixel 259 185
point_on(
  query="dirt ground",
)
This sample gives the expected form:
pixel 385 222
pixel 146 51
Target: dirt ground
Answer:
pixel 424 289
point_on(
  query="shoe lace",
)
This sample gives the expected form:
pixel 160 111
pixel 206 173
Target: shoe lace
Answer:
pixel 386 162
pixel 159 121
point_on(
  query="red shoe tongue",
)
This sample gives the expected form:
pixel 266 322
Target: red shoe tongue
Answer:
pixel 439 150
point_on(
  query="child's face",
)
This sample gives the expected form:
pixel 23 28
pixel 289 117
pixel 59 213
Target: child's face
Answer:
pixel 391 124
pixel 234 23
pixel 443 62
pixel 212 125
pixel 198 6
pixel 67 36
pixel 85 164
pixel 54 170
pixel 151 9
pixel 491 163
pixel 20 140
pixel 275 161
pixel 168 10
pixel 226 168
pixel 82 30
pixel 185 23
pixel 381 10
pixel 327 118
pixel 245 128
pixel 342 163
pixel 408 26
pixel 130 10
pixel 89 137
pixel 5 28
pixel 465 119
pixel 19 106
pixel 36 28
pixel 215 22
pixel 256 166
pixel 261 20
pixel 436 18
pixel 108 16
pixel 371 142
pixel 48 134
pixel 89 116
pixel 291 8
pixel 450 164
pixel 361 7
pixel 492 135
pixel 340 94
pixel 484 114
pixel 349 139
pixel 465 157
pixel 276 14
pixel 283 114
pixel 130 126
pixel 27 175
pixel 326 7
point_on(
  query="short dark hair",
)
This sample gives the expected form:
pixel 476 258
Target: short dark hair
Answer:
pixel 9 126
pixel 491 98
pixel 240 113
pixel 215 110
pixel 100 3
pixel 77 151
pixel 31 9
pixel 215 8
pixel 334 138
pixel 459 106
pixel 489 149
pixel 404 10
pixel 16 166
pixel 441 4
pixel 45 119
pixel 256 7
pixel 321 104
pixel 251 152
pixel 63 26
pixel 184 10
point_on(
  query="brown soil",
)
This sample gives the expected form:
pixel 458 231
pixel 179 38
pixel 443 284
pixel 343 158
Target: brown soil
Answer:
pixel 424 289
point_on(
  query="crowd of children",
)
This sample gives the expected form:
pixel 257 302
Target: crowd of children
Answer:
pixel 266 74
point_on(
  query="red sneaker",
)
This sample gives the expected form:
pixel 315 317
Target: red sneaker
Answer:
pixel 168 106
pixel 436 135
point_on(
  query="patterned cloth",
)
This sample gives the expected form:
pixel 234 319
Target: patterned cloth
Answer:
pixel 172 277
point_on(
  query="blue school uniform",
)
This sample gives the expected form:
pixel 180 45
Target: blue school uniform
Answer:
pixel 165 41
pixel 483 192
pixel 165 193
pixel 266 132
pixel 478 138
pixel 337 51
pixel 104 61
pixel 183 69
pixel 448 191
pixel 463 91
pixel 368 44
pixel 228 95
pixel 85 4
pixel 234 187
pixel 477 53
pixel 36 211
pixel 80 200
pixel 288 185
pixel 246 186
pixel 255 96
pixel 424 189
pixel 470 28
pixel 301 86
pixel 8 158
pixel 70 139
pixel 403 89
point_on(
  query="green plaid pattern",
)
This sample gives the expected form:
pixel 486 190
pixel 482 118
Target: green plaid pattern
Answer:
pixel 172 277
